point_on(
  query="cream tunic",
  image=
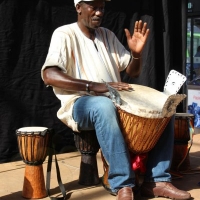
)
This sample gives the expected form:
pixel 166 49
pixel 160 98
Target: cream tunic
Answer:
pixel 76 55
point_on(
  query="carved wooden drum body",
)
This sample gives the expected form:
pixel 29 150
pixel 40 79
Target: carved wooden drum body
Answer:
pixel 183 132
pixel 33 143
pixel 144 114
pixel 87 143
pixel 183 124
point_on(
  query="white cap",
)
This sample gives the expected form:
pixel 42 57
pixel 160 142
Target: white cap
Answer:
pixel 77 1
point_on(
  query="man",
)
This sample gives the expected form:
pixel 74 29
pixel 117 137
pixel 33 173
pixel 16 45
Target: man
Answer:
pixel 82 57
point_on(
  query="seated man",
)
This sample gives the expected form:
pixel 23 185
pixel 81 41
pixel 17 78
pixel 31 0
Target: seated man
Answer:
pixel 81 57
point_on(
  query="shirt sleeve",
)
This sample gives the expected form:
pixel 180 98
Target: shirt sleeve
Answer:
pixel 59 51
pixel 119 53
pixel 123 55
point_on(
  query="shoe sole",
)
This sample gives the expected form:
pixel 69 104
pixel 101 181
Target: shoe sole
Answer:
pixel 156 196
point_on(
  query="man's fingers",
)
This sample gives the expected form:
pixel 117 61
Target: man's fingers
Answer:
pixel 136 26
pixel 144 28
pixel 140 26
pixel 146 34
pixel 128 35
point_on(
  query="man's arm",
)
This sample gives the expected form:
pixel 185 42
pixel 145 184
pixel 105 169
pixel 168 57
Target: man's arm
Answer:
pixel 53 76
pixel 135 66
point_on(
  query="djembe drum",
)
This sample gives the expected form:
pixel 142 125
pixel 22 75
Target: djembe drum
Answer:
pixel 32 143
pixel 143 115
pixel 86 142
pixel 183 130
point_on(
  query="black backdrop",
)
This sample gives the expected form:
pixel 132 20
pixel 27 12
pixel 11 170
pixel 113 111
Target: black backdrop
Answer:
pixel 26 27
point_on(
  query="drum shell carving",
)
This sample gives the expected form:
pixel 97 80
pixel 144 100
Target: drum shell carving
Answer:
pixel 141 134
pixel 86 142
pixel 32 147
pixel 183 130
pixel 181 127
pixel 181 158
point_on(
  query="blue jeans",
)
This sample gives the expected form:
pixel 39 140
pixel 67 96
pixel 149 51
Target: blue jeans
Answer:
pixel 160 157
pixel 99 113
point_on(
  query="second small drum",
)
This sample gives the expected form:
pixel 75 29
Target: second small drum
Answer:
pixel 33 143
pixel 183 131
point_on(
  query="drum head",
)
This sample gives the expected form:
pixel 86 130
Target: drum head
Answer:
pixel 184 115
pixel 147 102
pixel 32 130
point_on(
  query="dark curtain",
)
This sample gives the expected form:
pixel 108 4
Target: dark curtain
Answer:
pixel 25 32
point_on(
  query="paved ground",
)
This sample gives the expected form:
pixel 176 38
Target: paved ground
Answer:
pixel 12 178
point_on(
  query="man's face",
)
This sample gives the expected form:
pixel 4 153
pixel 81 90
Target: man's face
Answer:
pixel 91 13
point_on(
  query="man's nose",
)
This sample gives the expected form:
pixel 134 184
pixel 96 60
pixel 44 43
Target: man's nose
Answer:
pixel 99 11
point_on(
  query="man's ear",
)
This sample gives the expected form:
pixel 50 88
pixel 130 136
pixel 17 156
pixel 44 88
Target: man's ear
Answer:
pixel 78 8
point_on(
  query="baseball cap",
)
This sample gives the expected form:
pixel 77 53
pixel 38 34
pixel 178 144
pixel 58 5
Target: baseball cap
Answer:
pixel 77 1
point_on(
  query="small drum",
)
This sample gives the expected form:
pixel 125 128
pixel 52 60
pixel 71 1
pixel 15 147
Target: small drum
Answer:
pixel 183 130
pixel 144 114
pixel 33 143
pixel 86 142
pixel 183 124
